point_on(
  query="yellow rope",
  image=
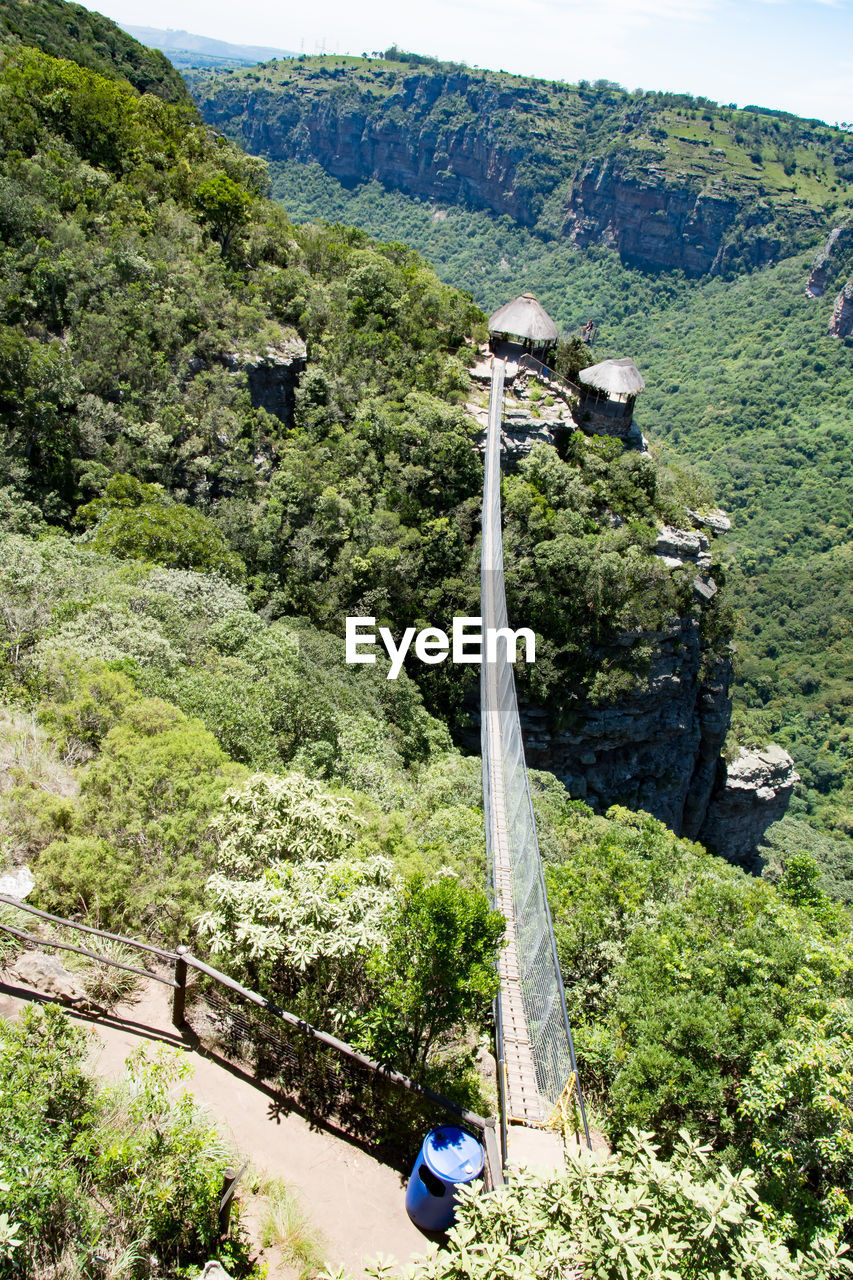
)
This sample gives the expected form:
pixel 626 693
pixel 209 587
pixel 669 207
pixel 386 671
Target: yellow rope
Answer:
pixel 559 1118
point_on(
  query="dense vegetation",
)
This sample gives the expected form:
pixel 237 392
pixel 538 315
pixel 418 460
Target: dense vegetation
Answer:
pixel 703 999
pixel 136 293
pixel 743 382
pixel 173 573
pixel 70 31
pixel 96 1178
pixel 630 1214
pixel 315 833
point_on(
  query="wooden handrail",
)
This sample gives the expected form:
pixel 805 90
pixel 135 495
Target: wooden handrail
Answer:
pixel 81 951
pixel 340 1046
pixel 86 928
pixel 183 958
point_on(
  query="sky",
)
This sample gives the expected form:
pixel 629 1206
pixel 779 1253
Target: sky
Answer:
pixel 796 55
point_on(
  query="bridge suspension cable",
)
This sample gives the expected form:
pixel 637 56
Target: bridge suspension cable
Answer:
pixel 537 1067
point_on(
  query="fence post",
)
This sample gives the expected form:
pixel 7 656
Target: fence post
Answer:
pixel 494 1164
pixel 230 1178
pixel 179 995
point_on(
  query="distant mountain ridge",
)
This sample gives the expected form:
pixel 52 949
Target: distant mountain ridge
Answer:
pixel 668 180
pixel 186 50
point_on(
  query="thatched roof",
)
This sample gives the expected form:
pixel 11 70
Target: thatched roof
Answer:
pixel 616 377
pixel 524 317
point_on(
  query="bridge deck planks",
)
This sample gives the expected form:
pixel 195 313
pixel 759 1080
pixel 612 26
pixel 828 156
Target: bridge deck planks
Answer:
pixel 522 1099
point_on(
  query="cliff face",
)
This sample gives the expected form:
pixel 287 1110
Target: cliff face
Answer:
pixel 656 223
pixel 403 148
pixel 656 750
pixel 272 376
pixel 660 750
pixel 591 167
pixel 841 324
pixel 749 795
pixel 834 257
pixel 829 259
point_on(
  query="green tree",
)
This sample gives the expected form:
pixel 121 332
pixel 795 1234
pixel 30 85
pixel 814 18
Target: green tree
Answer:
pixel 224 205
pixel 142 522
pixel 150 795
pixel 796 1103
pixel 434 972
pixel 293 907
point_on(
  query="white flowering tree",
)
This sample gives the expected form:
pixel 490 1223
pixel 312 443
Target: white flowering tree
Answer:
pixel 294 909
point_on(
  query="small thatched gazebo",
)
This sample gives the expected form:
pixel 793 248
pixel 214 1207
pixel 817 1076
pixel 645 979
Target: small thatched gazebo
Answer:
pixel 526 322
pixel 609 390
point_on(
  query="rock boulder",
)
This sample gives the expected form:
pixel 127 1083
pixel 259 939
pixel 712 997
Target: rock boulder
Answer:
pixel 47 975
pixel 750 794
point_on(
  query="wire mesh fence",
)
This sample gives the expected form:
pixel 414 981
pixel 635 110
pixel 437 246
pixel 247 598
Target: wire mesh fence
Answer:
pixel 514 857
pixel 340 1091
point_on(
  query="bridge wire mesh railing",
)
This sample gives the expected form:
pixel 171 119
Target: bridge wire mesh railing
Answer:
pixel 543 997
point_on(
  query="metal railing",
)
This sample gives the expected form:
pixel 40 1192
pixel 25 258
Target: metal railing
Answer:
pixel 530 967
pixel 532 365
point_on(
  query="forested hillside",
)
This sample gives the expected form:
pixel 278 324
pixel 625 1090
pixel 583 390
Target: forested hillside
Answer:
pixel 70 31
pixel 743 378
pixel 222 432
pixel 149 307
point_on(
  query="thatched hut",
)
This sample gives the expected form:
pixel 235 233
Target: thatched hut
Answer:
pixel 609 390
pixel 524 322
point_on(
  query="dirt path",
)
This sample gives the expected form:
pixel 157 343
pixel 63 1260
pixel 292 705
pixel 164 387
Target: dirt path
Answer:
pixel 356 1202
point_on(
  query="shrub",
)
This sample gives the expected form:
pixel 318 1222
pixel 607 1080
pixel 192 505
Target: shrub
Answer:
pixel 148 798
pixel 434 972
pixel 99 1179
pixel 631 1214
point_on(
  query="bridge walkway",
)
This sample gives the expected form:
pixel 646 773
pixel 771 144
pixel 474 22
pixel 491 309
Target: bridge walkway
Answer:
pixel 537 1068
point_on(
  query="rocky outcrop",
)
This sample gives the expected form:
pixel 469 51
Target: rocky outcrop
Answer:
pixel 655 222
pixel 717 521
pixel 841 324
pixel 272 376
pixel 526 421
pixel 685 548
pixel 47 975
pixel 838 243
pixel 18 883
pixel 658 748
pixel 678 547
pixel 750 794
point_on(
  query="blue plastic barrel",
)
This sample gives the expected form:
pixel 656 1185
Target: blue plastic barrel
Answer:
pixel 448 1158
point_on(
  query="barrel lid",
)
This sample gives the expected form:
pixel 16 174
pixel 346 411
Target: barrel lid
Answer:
pixel 452 1154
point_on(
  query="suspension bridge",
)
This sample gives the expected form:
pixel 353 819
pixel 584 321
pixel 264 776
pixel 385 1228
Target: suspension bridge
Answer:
pixel 537 1071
